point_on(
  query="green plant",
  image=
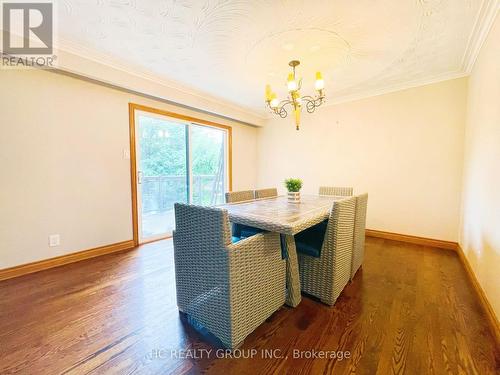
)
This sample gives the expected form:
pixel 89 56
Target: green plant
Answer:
pixel 293 184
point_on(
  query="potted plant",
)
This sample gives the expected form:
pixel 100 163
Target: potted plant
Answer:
pixel 293 185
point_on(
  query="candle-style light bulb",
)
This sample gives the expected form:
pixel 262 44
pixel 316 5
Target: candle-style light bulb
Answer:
pixel 320 83
pixel 274 102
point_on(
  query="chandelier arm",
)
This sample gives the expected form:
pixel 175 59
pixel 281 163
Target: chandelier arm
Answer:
pixel 284 103
pixel 310 106
pixel 279 106
pixel 281 110
pixel 312 102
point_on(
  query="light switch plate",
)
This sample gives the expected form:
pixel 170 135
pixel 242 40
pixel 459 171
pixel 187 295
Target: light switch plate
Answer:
pixel 54 240
pixel 126 153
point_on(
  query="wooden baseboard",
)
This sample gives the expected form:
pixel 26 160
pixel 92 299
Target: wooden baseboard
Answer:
pixel 156 239
pixel 492 317
pixel 45 264
pixel 412 239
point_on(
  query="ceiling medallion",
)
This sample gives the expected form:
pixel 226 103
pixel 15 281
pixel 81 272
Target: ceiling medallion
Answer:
pixel 294 99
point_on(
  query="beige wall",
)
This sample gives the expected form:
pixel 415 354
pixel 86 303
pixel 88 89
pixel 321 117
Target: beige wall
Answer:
pixel 480 229
pixel 63 171
pixel 405 149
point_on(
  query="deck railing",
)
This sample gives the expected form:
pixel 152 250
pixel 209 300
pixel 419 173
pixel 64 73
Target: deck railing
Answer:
pixel 159 193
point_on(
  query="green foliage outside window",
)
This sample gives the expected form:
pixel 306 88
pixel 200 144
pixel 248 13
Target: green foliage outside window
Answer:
pixel 163 148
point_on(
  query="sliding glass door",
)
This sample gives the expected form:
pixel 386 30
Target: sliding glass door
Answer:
pixel 176 161
pixel 208 165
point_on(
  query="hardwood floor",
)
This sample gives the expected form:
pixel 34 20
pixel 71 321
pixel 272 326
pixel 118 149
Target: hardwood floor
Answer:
pixel 410 309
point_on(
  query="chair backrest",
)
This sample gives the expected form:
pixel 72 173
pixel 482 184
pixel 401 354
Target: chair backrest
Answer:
pixel 266 193
pixel 205 226
pixel 340 230
pixel 334 190
pixel 238 196
pixel 359 232
pixel 202 269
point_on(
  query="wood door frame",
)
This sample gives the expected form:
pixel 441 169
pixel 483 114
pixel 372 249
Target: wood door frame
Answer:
pixel 132 108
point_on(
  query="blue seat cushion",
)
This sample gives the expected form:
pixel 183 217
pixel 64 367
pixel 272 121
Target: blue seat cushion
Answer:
pixel 244 231
pixel 235 239
pixel 310 241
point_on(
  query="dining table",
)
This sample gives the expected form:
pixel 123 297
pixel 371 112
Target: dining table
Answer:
pixel 277 214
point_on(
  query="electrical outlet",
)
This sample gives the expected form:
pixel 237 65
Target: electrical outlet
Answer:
pixel 54 240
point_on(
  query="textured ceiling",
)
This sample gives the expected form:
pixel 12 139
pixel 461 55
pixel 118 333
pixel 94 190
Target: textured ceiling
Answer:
pixel 232 48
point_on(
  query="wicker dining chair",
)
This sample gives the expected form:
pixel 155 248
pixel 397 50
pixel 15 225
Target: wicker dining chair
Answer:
pixel 238 196
pixel 266 193
pixel 227 287
pixel 358 251
pixel 338 191
pixel 326 273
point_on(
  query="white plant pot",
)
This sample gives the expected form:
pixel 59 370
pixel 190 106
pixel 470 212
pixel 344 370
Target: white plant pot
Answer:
pixel 294 196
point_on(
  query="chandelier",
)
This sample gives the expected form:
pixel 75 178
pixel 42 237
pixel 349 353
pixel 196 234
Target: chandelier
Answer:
pixel 294 100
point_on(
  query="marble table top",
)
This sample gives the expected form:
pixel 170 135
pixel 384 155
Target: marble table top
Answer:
pixel 276 214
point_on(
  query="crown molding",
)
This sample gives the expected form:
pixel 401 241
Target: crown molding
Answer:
pixel 482 26
pixel 398 87
pixel 84 53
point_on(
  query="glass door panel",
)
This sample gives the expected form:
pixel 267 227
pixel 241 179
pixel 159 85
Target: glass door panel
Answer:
pixel 176 161
pixel 163 176
pixel 208 165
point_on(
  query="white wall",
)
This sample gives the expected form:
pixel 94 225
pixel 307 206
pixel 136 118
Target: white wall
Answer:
pixel 61 152
pixel 480 229
pixel 405 149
